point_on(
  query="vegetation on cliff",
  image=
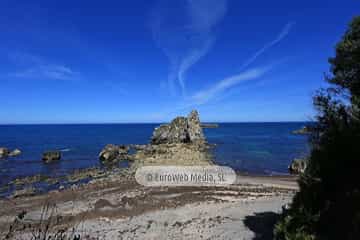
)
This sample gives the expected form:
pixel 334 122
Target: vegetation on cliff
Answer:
pixel 328 203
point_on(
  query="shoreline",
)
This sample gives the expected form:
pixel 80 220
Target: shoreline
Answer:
pixel 30 163
pixel 116 199
pixel 43 183
pixel 109 203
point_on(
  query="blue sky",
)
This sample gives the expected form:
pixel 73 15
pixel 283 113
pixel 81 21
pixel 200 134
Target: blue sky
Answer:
pixel 150 60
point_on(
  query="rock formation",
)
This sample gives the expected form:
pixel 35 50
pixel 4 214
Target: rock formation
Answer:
pixel 194 127
pixel 180 130
pixel 298 166
pixel 28 191
pixel 302 131
pixel 14 153
pixel 113 153
pixel 181 142
pixel 174 154
pixel 50 156
pixel 4 152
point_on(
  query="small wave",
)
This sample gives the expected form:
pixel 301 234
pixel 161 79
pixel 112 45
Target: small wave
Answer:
pixel 275 173
pixel 65 150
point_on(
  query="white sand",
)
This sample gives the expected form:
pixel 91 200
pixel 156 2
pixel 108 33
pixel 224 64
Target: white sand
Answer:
pixel 193 221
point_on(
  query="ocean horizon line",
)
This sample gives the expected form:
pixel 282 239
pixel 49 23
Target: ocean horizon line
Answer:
pixel 134 123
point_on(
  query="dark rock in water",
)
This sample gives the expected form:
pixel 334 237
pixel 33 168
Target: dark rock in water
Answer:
pixel 50 156
pixel 109 153
pixel 298 166
pixel 113 153
pixel 179 130
pixel 302 131
pixel 14 153
pixel 4 152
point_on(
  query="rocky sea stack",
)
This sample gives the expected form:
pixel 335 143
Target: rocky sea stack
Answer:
pixel 180 130
pixel 181 142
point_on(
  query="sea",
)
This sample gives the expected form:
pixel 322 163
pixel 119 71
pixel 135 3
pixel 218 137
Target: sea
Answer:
pixel 253 148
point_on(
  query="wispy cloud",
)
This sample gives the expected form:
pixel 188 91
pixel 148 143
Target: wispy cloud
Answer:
pixel 221 86
pixel 185 33
pixel 219 89
pixel 194 56
pixel 53 72
pixel 284 32
pixel 35 67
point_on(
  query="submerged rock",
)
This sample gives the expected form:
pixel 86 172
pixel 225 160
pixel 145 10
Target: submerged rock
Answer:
pixel 298 166
pixel 113 153
pixel 4 152
pixel 302 131
pixel 14 153
pixel 179 130
pixel 50 156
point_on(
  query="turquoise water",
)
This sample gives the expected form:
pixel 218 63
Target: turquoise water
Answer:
pixel 263 148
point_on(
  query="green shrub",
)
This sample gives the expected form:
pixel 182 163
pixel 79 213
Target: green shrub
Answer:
pixel 328 203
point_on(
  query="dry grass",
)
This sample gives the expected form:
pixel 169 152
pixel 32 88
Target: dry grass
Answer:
pixel 46 228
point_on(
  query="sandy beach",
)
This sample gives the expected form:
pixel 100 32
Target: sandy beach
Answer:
pixel 116 207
